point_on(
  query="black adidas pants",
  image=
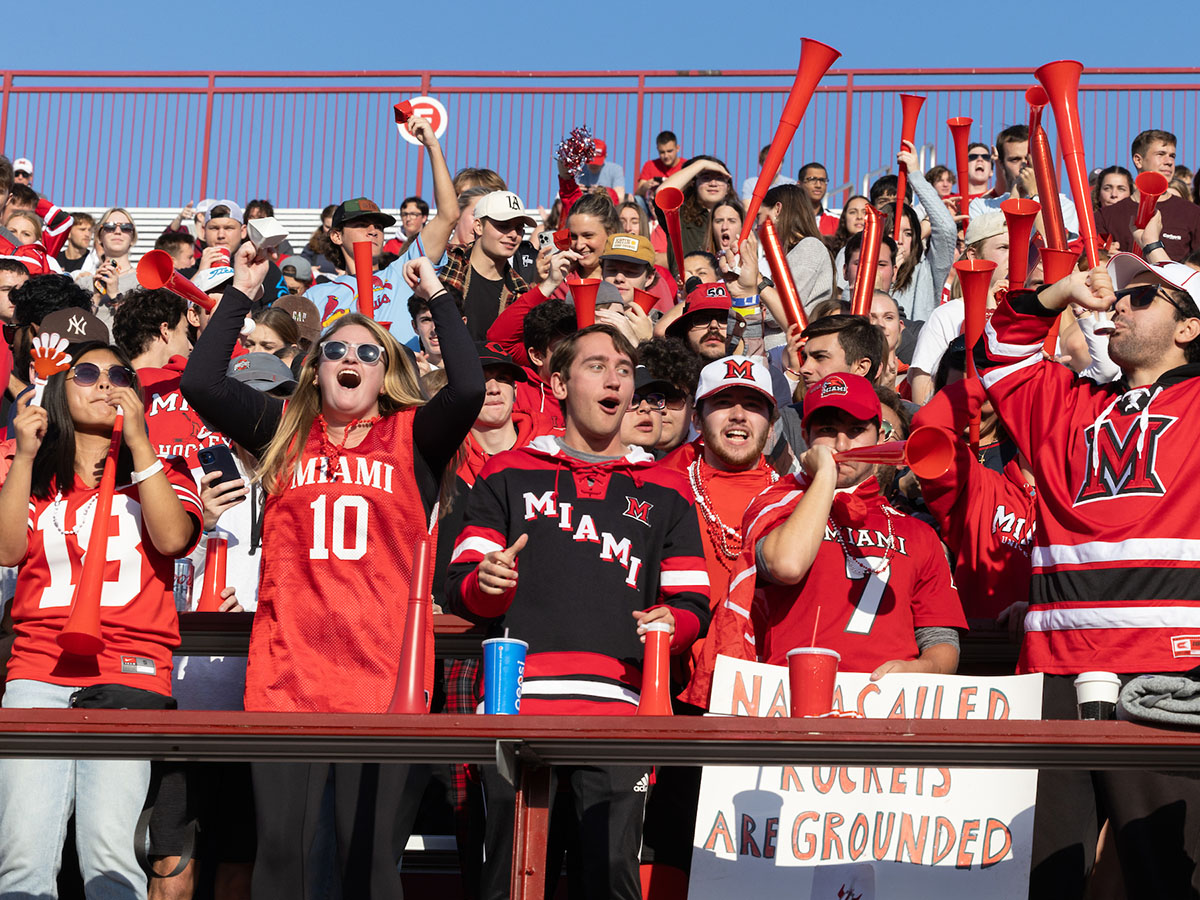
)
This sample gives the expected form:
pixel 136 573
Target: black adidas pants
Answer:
pixel 1155 817
pixel 607 804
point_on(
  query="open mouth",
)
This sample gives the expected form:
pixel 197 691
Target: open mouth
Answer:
pixel 611 404
pixel 348 378
pixel 737 436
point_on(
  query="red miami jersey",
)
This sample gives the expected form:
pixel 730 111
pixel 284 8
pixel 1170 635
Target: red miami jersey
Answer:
pixel 337 557
pixel 867 618
pixel 138 623
pixel 175 428
pixel 1116 559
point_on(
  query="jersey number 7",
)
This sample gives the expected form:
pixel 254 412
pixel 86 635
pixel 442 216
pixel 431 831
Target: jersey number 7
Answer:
pixel 871 598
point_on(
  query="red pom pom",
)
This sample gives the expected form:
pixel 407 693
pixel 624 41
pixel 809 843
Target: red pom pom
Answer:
pixel 576 150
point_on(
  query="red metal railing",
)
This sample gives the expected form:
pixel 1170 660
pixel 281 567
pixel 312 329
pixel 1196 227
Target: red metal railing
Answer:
pixel 310 138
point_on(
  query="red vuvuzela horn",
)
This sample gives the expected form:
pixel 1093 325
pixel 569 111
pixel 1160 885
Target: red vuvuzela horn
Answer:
pixel 911 105
pixel 214 575
pixel 81 633
pixel 1036 97
pixel 975 276
pixel 364 277
pixel 928 452
pixel 584 294
pixel 1056 265
pixel 815 60
pixel 868 263
pixel 655 697
pixel 1061 81
pixel 410 696
pixel 644 299
pixel 1151 186
pixel 960 134
pixel 1053 228
pixel 1019 214
pixel 781 274
pixel 669 200
pixel 155 270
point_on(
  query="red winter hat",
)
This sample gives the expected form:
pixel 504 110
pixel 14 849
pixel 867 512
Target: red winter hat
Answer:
pixel 601 153
pixel 704 298
pixel 852 394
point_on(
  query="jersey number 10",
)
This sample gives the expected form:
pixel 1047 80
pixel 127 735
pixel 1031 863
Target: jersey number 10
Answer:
pixel 342 547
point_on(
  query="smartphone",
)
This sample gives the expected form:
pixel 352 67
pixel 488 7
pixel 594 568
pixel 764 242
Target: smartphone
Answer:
pixel 545 239
pixel 219 458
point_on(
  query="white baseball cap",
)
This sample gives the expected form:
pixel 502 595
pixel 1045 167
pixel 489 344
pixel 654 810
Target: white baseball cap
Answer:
pixel 23 165
pixel 213 280
pixel 235 211
pixel 503 206
pixel 734 371
pixel 984 226
pixel 1124 267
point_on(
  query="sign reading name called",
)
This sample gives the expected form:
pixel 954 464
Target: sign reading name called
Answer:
pixel 855 832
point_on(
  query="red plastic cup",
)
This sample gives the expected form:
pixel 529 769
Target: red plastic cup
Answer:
pixel 644 299
pixel 812 672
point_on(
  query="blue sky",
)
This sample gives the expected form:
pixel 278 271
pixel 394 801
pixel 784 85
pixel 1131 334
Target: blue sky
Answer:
pixel 560 35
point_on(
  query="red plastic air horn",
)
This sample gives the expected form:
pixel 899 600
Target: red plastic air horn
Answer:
pixel 155 270
pixel 1056 265
pixel 1061 81
pixel 975 276
pixel 781 274
pixel 960 134
pixel 81 634
pixel 655 697
pixel 364 266
pixel 214 575
pixel 584 294
pixel 815 60
pixel 669 200
pixel 1019 214
pixel 868 263
pixel 1151 186
pixel 928 452
pixel 410 696
pixel 1054 231
pixel 911 105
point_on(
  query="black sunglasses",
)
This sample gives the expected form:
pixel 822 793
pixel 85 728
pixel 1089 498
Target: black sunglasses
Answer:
pixel 654 399
pixel 1143 295
pixel 111 227
pixel 974 156
pixel 89 373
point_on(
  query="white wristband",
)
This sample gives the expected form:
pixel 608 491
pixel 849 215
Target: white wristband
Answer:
pixel 148 472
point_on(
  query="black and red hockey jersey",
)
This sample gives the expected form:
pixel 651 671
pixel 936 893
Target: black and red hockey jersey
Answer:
pixel 1116 560
pixel 605 539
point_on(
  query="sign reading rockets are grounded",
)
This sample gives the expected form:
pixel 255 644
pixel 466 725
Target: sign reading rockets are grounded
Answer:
pixel 859 832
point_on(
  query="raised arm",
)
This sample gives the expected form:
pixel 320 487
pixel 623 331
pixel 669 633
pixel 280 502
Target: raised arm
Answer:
pixel 436 233
pixel 943 233
pixel 789 551
pixel 441 424
pixel 235 409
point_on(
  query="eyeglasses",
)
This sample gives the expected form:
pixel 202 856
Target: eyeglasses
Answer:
pixel 654 399
pixel 1143 295
pixel 411 215
pixel 971 157
pixel 814 179
pixel 89 373
pixel 887 429
pixel 367 354
pixel 113 227
pixel 676 401
pixel 10 332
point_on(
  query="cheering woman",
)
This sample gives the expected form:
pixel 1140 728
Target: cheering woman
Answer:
pixel 48 509
pixel 352 467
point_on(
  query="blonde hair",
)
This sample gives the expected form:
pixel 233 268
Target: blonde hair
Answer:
pixel 400 390
pixel 108 214
pixel 31 217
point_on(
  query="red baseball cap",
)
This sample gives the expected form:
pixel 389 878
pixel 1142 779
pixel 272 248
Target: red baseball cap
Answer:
pixel 601 153
pixel 711 297
pixel 852 394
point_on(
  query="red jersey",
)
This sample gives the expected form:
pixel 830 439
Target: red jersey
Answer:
pixel 175 429
pixel 138 622
pixel 868 618
pixel 337 557
pixel 727 494
pixel 1117 553
pixel 987 518
pixel 653 168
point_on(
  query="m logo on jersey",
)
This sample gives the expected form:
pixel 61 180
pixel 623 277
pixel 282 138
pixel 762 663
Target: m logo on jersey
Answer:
pixel 834 385
pixel 638 509
pixel 740 369
pixel 1122 471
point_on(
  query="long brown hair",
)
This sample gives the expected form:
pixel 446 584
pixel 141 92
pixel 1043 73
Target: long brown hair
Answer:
pixel 400 390
pixel 795 221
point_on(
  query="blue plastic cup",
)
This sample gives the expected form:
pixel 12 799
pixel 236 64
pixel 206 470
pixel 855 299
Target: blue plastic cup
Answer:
pixel 503 675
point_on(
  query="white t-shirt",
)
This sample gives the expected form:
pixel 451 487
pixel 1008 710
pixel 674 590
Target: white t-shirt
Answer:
pixel 939 330
pixel 981 205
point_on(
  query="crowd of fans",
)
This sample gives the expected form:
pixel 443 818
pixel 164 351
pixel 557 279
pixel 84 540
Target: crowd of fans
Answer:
pixel 672 462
